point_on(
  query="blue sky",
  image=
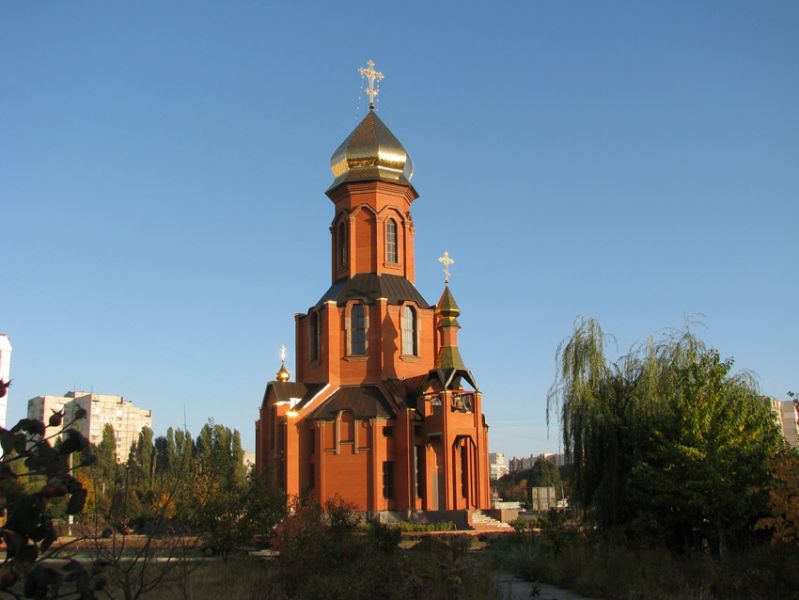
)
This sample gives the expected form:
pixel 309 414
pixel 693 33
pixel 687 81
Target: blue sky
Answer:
pixel 163 167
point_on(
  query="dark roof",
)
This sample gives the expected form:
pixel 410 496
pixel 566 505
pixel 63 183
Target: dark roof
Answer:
pixel 370 286
pixel 285 390
pixel 446 378
pixel 365 401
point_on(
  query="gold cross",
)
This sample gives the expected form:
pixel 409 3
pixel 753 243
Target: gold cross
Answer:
pixel 373 76
pixel 282 354
pixel 446 261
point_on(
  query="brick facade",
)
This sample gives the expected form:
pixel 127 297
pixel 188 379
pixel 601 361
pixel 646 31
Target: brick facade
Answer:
pixel 382 413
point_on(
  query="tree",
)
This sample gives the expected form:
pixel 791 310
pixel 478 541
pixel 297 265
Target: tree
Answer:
pixel 37 470
pixel 545 474
pixel 666 431
pixel 784 499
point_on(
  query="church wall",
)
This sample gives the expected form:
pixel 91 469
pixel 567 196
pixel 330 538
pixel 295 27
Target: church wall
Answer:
pixel 364 232
pixel 347 475
pixel 307 435
pixel 313 371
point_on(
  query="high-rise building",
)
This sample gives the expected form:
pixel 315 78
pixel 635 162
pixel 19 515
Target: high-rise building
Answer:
pixel 497 465
pixel 383 412
pixel 101 409
pixel 786 414
pixel 5 374
pixel 42 407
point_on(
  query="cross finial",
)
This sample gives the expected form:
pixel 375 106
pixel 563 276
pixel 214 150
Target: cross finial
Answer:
pixel 372 76
pixel 283 354
pixel 446 261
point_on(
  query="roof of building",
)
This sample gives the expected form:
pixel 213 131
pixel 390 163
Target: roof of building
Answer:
pixel 446 378
pixel 286 390
pixel 371 152
pixel 370 286
pixel 365 401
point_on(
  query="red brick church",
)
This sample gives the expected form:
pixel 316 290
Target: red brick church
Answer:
pixel 383 411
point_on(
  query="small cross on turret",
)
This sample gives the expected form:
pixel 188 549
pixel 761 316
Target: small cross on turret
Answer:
pixel 446 261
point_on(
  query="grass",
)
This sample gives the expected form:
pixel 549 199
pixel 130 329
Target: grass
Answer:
pixel 242 577
pixel 613 571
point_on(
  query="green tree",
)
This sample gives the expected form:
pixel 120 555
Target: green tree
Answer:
pixel 545 474
pixel 666 431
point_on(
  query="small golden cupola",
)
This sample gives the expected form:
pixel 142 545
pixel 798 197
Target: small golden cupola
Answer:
pixel 283 374
pixel 371 152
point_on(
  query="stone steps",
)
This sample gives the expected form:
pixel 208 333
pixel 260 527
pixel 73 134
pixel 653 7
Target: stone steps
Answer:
pixel 480 520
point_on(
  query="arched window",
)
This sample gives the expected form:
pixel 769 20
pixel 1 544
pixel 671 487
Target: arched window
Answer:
pixel 358 332
pixel 409 331
pixel 313 334
pixel 341 241
pixel 391 241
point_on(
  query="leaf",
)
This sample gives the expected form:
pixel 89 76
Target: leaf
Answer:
pixel 76 502
pixel 7 441
pixel 32 426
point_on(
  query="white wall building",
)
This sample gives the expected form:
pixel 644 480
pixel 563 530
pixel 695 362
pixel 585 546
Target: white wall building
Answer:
pixel 526 462
pixel 101 409
pixel 5 374
pixel 786 413
pixel 497 465
pixel 41 407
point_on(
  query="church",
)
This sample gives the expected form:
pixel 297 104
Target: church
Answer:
pixel 383 411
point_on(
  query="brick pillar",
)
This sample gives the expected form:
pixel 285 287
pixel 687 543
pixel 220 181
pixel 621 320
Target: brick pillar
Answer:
pixel 321 459
pixel 376 458
pixel 448 502
pixel 292 458
pixel 403 441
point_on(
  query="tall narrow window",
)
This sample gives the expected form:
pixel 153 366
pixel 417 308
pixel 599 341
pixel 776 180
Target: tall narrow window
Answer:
pixel 391 241
pixel 313 334
pixel 358 329
pixel 342 244
pixel 464 472
pixel 419 462
pixel 388 479
pixel 409 331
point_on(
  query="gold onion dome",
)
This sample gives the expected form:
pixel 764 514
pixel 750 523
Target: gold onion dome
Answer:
pixel 448 310
pixel 447 305
pixel 283 374
pixel 371 152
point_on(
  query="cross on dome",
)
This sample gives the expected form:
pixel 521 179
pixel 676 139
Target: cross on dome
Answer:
pixel 372 76
pixel 446 261
pixel 283 353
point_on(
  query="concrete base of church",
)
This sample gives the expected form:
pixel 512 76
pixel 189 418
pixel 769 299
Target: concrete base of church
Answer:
pixel 505 515
pixel 461 518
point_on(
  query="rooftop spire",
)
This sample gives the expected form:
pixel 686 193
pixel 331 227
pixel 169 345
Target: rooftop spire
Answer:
pixel 371 76
pixel 283 374
pixel 446 261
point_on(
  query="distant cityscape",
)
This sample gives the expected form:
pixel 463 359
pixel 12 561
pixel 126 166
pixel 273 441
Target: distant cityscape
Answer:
pixel 128 420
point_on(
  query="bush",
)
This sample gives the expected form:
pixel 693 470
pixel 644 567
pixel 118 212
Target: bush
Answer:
pixel 416 527
pixel 610 565
pixel 346 563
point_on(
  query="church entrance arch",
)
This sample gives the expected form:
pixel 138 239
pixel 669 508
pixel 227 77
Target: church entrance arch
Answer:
pixel 437 495
pixel 464 454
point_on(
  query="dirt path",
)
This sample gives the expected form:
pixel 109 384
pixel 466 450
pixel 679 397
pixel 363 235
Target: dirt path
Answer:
pixel 519 589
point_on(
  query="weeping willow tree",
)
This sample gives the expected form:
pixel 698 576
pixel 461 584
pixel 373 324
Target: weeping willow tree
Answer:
pixel 666 431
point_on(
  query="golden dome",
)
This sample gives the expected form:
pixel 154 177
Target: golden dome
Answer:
pixel 283 374
pixel 447 310
pixel 371 152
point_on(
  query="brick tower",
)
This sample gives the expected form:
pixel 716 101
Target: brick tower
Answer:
pixel 383 411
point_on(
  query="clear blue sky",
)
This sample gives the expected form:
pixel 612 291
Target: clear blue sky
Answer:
pixel 163 167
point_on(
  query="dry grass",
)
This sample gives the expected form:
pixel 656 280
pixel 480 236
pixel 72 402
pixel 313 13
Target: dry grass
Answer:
pixel 239 577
